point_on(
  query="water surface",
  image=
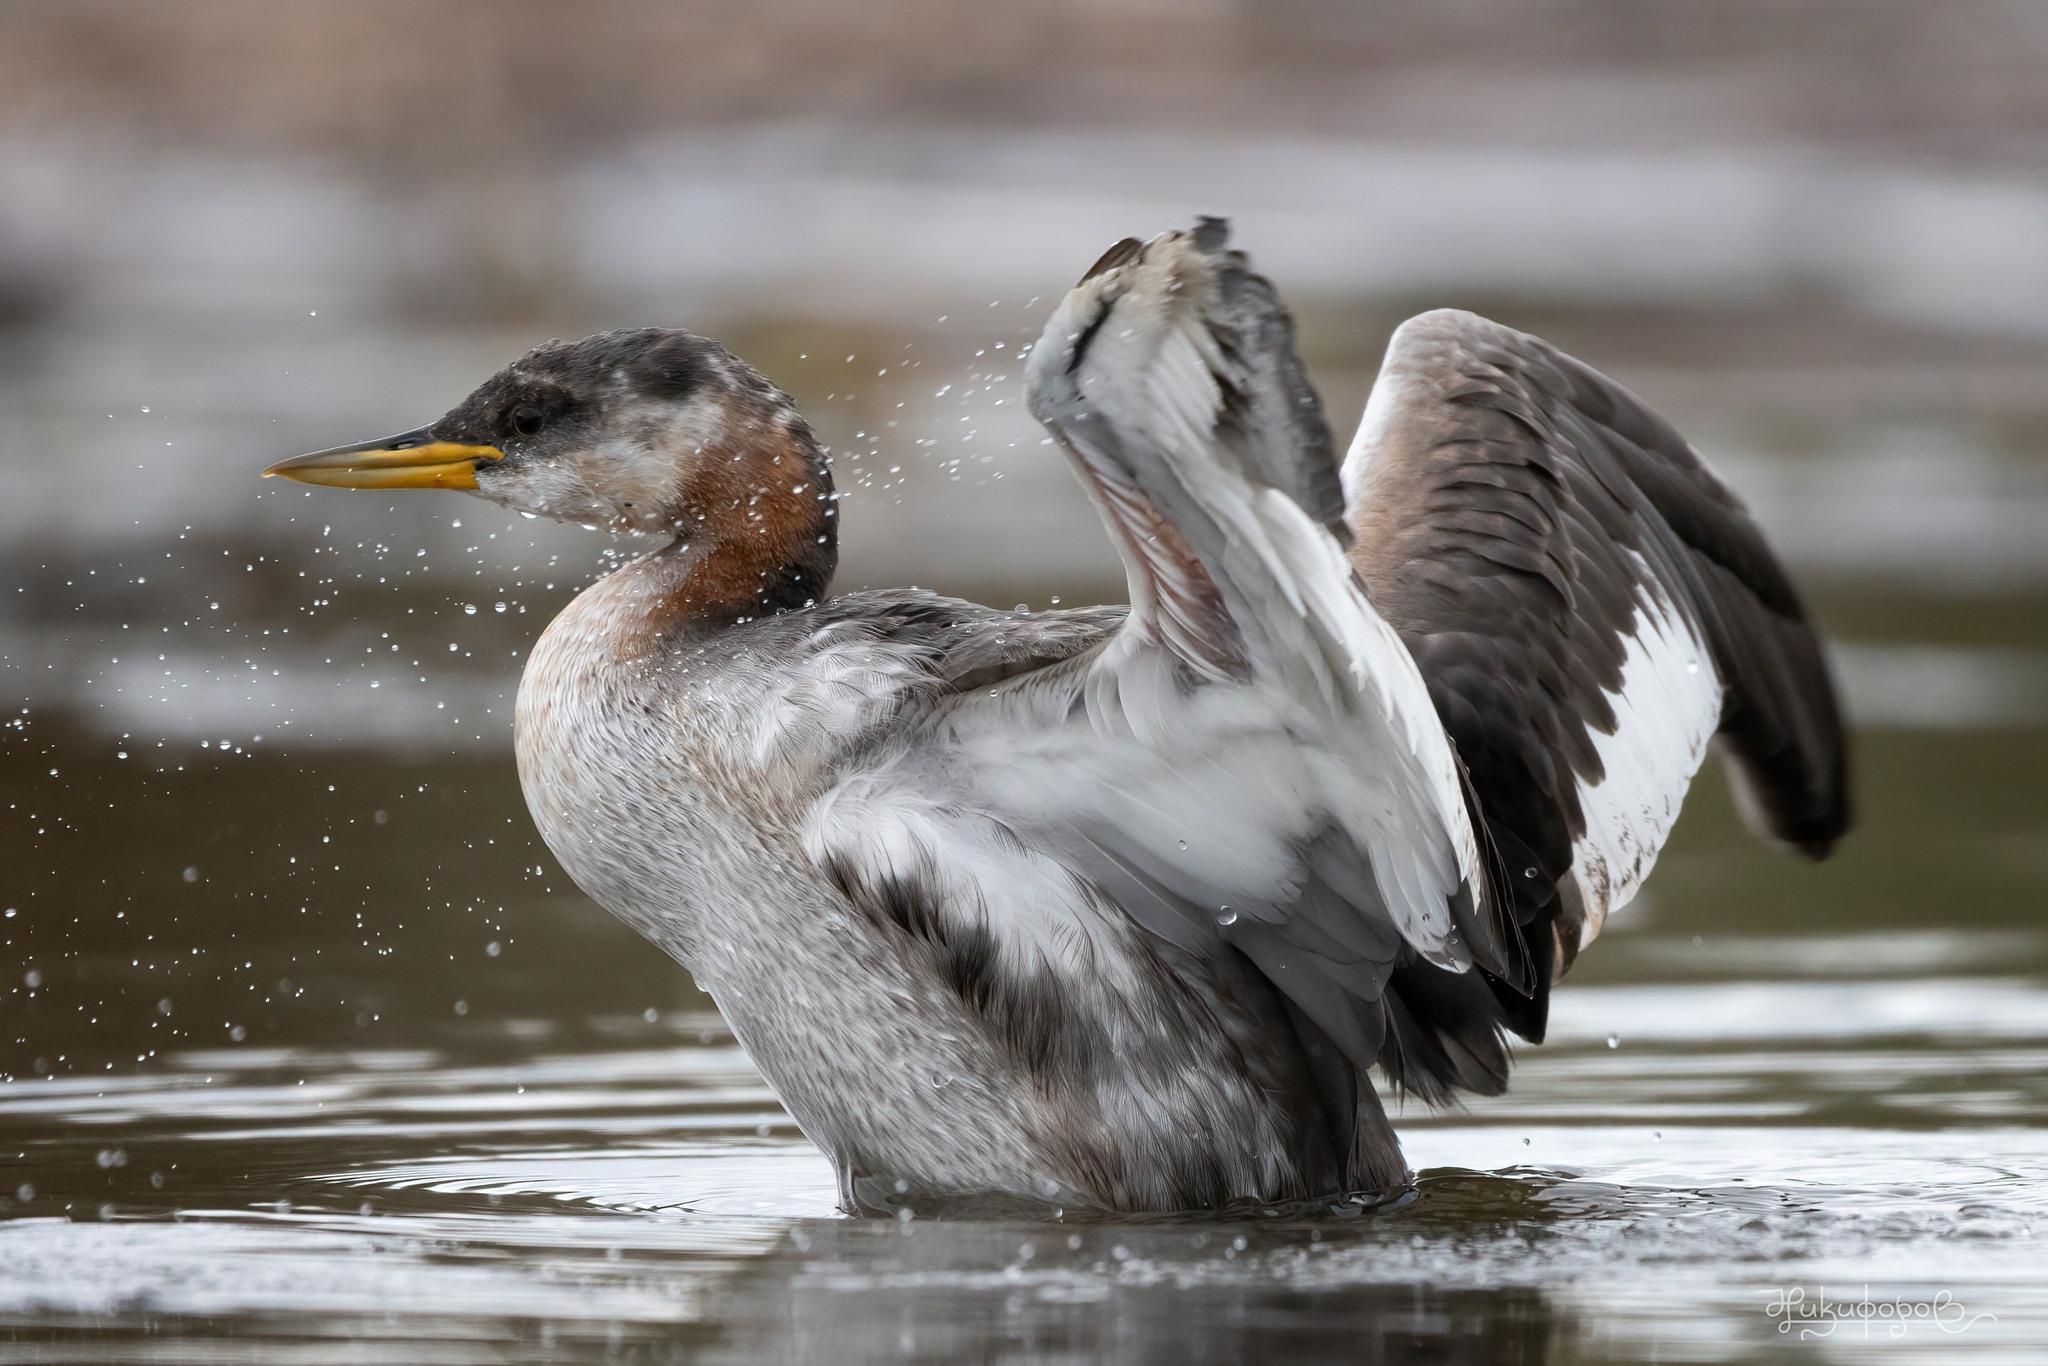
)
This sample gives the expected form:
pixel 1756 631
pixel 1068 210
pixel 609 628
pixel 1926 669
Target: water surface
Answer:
pixel 314 1056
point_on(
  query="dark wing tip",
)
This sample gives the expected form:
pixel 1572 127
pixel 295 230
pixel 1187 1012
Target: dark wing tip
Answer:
pixel 1816 831
pixel 1126 250
pixel 1443 1034
pixel 1211 232
pixel 1786 749
pixel 1815 835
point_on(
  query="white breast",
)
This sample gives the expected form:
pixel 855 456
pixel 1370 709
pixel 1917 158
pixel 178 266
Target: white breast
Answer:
pixel 671 788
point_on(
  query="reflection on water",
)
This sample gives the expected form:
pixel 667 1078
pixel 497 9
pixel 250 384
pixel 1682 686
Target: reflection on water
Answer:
pixel 1649 1188
pixel 313 1056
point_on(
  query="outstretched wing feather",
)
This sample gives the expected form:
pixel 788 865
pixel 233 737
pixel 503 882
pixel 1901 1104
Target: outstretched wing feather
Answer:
pixel 1589 605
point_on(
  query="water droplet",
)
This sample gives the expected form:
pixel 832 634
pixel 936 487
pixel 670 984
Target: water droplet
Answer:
pixel 1227 917
pixel 1614 1040
pixel 469 609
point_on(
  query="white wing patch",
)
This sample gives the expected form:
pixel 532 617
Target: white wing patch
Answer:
pixel 1666 712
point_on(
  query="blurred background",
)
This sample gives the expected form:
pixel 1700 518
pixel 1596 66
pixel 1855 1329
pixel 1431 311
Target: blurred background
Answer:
pixel 1815 234
pixel 255 760
pixel 268 722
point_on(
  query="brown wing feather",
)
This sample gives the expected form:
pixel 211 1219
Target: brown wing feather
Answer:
pixel 1508 504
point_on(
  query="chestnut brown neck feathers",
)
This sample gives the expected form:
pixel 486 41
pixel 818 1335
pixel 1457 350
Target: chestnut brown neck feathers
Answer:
pixel 759 530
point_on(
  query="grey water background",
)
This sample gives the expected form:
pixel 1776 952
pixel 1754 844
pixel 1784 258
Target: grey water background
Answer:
pixel 309 1052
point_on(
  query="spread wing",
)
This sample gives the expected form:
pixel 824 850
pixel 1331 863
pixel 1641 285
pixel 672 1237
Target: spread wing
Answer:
pixel 1590 606
pixel 1170 376
pixel 1250 769
pixel 1307 780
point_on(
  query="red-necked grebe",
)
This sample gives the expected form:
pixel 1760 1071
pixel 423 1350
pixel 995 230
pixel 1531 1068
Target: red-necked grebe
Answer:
pixel 1115 908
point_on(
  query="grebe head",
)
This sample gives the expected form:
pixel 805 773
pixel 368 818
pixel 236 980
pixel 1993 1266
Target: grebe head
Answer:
pixel 650 430
pixel 646 430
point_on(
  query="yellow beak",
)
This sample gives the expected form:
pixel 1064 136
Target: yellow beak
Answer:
pixel 412 460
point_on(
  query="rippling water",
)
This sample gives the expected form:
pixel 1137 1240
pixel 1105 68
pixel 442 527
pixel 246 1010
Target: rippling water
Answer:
pixel 1673 1166
pixel 309 1053
pixel 321 1061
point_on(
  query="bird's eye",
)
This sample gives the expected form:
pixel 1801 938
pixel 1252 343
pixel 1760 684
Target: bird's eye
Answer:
pixel 526 421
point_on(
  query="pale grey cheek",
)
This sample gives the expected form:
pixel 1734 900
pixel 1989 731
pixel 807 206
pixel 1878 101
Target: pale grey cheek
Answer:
pixel 545 489
pixel 639 484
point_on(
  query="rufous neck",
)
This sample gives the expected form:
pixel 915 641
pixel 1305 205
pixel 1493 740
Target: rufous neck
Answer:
pixel 759 535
